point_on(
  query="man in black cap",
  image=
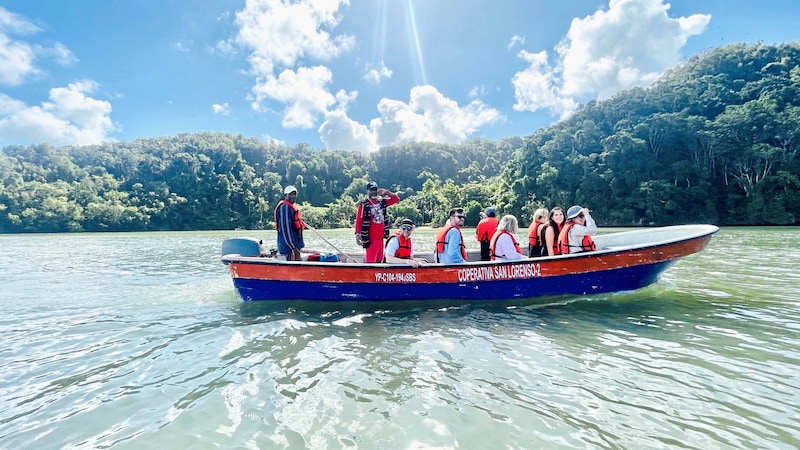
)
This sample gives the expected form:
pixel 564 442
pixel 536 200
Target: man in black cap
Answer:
pixel 485 230
pixel 372 223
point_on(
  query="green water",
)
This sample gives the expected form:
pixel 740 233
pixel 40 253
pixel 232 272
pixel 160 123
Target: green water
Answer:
pixel 139 341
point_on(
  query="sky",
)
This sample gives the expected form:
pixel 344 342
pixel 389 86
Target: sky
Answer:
pixel 343 74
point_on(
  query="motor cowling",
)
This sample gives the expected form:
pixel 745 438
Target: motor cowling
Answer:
pixel 244 246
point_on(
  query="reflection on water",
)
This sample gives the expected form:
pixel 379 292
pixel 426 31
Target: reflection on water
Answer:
pixel 138 340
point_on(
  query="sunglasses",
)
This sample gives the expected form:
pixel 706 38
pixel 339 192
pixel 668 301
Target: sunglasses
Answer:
pixel 580 216
pixel 406 228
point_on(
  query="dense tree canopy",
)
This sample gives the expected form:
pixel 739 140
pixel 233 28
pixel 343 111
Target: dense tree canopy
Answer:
pixel 221 181
pixel 714 140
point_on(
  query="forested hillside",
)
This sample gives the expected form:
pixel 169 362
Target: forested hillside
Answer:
pixel 715 140
pixel 221 181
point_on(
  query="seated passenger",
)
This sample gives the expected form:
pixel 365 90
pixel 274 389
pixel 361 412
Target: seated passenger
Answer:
pixel 399 248
pixel 550 232
pixel 504 246
pixel 450 247
pixel 576 236
pixel 536 245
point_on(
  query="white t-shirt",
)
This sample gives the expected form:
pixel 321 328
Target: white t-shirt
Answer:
pixel 505 246
pixel 577 232
pixel 394 244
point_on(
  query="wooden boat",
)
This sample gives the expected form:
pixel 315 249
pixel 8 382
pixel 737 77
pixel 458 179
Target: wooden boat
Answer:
pixel 624 261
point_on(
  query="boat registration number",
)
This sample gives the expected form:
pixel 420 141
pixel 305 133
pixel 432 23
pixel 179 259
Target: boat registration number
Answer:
pixel 392 277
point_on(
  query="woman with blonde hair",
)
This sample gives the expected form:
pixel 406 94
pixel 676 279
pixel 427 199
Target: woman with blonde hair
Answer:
pixel 536 245
pixel 504 246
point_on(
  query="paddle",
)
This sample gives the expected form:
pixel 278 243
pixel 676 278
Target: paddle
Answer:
pixel 329 243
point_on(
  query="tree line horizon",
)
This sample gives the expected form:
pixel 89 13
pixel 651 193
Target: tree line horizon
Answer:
pixel 714 140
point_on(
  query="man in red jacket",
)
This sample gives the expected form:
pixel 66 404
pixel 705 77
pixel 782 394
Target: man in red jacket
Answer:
pixel 485 231
pixel 372 223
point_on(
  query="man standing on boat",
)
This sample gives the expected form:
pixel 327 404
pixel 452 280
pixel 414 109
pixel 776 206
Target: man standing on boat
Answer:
pixel 449 240
pixel 290 225
pixel 485 230
pixel 372 223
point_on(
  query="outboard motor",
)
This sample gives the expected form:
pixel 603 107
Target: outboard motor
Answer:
pixel 244 246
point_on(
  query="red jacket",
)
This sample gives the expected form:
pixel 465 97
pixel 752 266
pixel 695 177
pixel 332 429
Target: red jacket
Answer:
pixel 486 229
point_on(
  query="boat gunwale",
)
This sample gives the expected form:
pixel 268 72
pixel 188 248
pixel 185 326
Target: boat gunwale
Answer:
pixel 704 230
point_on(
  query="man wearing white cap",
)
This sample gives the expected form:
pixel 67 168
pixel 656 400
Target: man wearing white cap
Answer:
pixel 290 225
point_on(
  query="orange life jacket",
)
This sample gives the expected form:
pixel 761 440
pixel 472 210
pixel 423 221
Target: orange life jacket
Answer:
pixel 440 240
pixel 403 246
pixel 493 244
pixel 298 218
pixel 536 243
pixel 486 229
pixel 556 234
pixel 587 244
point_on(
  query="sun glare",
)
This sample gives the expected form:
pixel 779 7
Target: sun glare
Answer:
pixel 413 35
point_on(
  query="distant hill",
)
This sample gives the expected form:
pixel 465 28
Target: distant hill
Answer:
pixel 219 181
pixel 714 140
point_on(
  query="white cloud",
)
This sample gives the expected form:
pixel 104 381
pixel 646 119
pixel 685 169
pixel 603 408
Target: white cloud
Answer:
pixel 536 87
pixel 428 116
pixel 183 47
pixel 282 36
pixel 304 93
pixel 374 75
pixel 15 23
pixel 280 33
pixel 16 61
pixel 272 140
pixel 339 132
pixel 285 39
pixel 62 54
pixel 477 91
pixel 222 48
pixel 516 40
pixel 17 57
pixel 71 117
pixel 223 109
pixel 630 44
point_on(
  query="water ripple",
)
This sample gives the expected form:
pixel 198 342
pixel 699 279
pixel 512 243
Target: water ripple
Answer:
pixel 113 348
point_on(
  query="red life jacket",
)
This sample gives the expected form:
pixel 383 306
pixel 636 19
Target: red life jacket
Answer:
pixel 536 243
pixel 440 241
pixel 493 244
pixel 587 244
pixel 298 218
pixel 486 229
pixel 403 246
pixel 556 234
